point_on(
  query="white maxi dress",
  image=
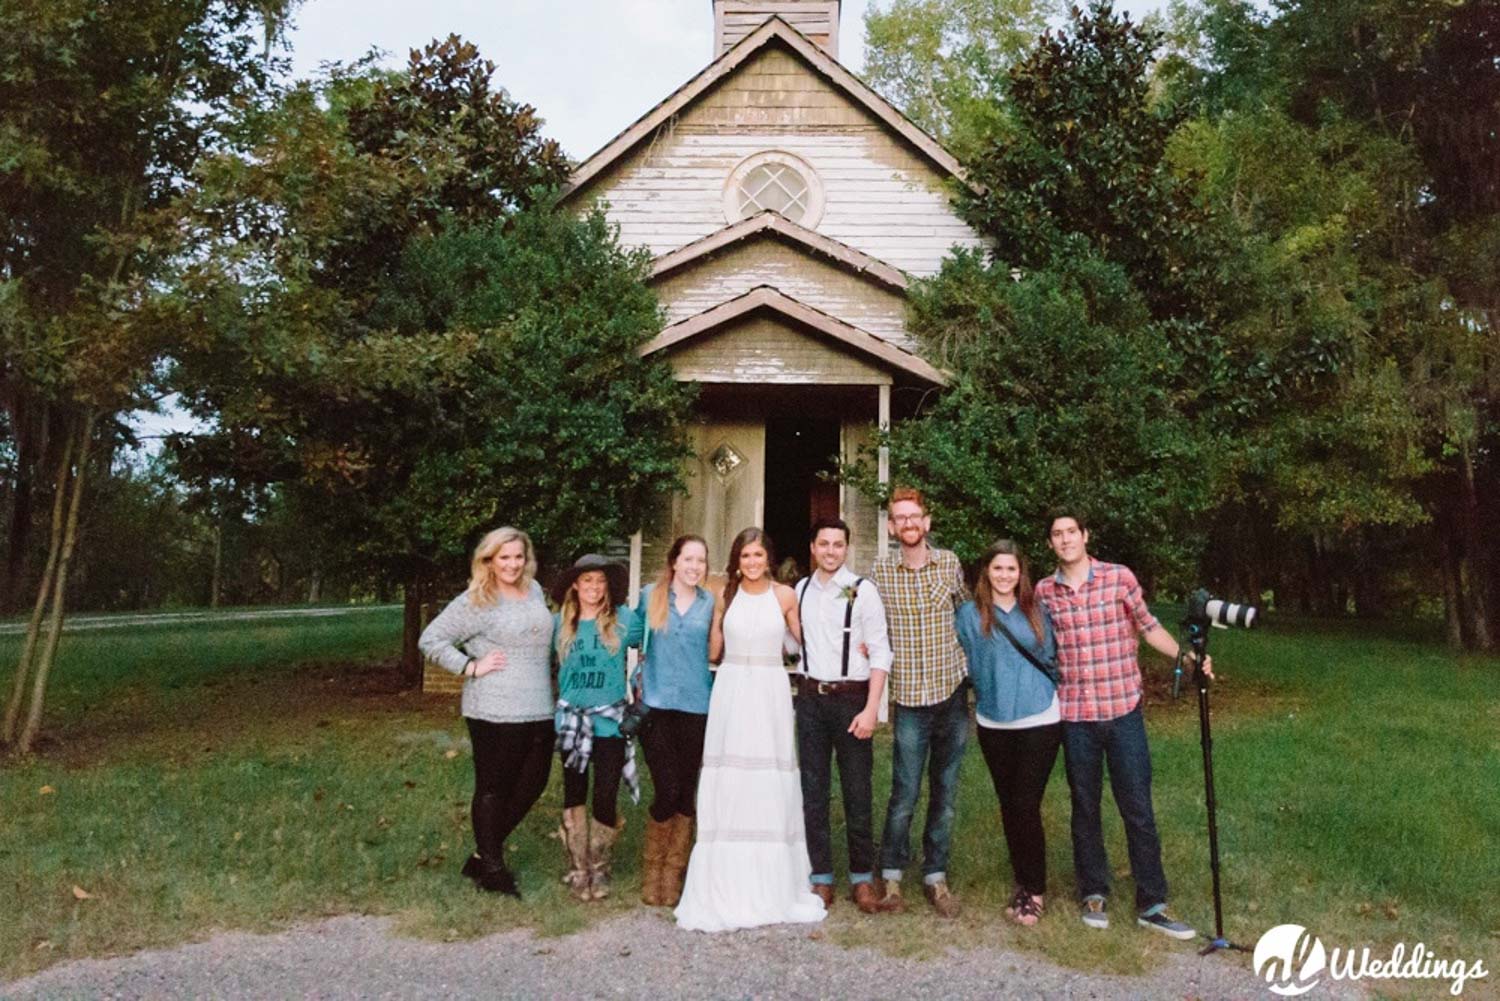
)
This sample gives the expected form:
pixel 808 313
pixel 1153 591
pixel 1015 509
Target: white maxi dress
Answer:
pixel 749 866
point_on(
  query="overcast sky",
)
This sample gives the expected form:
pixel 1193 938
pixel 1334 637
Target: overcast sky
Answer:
pixel 590 67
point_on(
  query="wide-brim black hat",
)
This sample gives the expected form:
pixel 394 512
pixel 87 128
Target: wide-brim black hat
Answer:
pixel 615 575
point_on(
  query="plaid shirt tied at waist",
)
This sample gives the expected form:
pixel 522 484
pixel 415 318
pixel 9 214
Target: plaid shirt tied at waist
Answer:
pixel 575 739
pixel 920 604
pixel 1097 625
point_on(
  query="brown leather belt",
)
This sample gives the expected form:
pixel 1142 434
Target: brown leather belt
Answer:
pixel 810 686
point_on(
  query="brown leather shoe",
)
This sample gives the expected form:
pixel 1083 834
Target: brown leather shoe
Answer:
pixel 824 892
pixel 865 897
pixel 941 899
pixel 891 901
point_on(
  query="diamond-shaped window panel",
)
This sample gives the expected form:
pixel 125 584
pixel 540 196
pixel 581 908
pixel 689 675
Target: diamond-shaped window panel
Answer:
pixel 726 462
pixel 776 186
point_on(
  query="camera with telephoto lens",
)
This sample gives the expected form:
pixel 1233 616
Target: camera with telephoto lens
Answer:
pixel 1202 607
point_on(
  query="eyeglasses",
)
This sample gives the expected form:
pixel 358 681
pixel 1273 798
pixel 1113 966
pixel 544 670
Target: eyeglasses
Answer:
pixel 907 519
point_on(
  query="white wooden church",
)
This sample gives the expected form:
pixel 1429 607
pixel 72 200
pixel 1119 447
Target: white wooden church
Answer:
pixel 786 206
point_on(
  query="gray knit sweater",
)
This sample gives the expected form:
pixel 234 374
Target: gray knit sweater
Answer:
pixel 520 692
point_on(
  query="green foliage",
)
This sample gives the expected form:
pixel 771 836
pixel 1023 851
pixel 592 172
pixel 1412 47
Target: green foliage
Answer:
pixel 558 425
pixel 1062 394
pixel 106 109
pixel 942 62
pixel 402 330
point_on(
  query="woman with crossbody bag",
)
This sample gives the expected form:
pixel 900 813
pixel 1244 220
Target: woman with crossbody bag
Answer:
pixel 675 681
pixel 1012 663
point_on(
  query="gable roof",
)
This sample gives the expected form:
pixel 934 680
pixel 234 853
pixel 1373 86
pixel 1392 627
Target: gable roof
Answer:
pixel 764 297
pixel 772 31
pixel 774 224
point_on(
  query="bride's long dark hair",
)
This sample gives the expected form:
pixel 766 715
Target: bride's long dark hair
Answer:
pixel 732 571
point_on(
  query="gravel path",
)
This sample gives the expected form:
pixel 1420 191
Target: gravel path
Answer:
pixel 639 955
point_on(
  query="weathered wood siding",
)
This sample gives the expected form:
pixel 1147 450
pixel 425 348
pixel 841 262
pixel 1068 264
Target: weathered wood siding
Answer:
pixel 880 195
pixel 808 278
pixel 817 19
pixel 715 508
pixel 762 350
pixel 860 510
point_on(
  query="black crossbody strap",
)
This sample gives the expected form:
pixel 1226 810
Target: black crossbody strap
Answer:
pixel 849 621
pixel 1050 673
pixel 801 595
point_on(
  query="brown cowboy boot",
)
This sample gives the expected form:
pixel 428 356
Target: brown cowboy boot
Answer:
pixel 654 861
pixel 601 846
pixel 679 850
pixel 575 838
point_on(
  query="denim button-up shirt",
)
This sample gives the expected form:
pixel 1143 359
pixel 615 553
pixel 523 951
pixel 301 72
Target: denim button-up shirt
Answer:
pixel 1006 686
pixel 675 668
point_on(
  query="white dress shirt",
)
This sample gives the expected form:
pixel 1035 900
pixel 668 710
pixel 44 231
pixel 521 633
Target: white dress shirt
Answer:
pixel 823 608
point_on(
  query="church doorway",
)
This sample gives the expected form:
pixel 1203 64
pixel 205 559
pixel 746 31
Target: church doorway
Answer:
pixel 798 449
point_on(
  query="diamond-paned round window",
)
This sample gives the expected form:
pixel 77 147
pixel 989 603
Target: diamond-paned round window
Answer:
pixel 774 186
pixel 774 181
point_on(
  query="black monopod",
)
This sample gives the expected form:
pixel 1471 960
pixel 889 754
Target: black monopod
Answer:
pixel 1204 611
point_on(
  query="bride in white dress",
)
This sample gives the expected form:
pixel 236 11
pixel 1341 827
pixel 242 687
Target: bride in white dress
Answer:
pixel 749 866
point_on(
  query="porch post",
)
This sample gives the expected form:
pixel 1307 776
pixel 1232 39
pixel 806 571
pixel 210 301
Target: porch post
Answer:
pixel 632 655
pixel 883 465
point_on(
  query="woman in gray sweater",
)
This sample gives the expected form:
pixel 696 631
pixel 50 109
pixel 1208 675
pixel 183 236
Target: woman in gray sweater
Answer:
pixel 498 635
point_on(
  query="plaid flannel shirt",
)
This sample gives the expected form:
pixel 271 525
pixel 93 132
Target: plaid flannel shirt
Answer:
pixel 1097 625
pixel 928 663
pixel 575 738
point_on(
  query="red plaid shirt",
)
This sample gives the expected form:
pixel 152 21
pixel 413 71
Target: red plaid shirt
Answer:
pixel 1097 625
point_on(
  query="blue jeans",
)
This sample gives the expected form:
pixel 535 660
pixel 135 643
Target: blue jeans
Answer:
pixel 931 737
pixel 1122 743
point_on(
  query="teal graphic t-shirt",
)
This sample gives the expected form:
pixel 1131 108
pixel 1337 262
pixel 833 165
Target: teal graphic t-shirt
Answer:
pixel 592 676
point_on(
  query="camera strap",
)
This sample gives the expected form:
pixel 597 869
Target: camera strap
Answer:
pixel 1035 662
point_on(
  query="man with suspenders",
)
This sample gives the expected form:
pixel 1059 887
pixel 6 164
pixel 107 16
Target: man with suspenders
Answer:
pixel 845 659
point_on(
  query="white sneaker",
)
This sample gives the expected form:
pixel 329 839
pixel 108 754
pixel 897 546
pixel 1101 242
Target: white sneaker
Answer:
pixel 1094 914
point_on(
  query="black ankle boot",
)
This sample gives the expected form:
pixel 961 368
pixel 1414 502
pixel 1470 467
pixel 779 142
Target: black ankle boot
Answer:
pixel 472 868
pixel 495 877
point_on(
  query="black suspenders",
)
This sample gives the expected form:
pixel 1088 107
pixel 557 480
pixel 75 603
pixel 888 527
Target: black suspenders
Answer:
pixel 848 621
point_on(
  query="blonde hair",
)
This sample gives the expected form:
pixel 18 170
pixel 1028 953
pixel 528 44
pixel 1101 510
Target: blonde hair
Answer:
pixel 567 630
pixel 661 594
pixel 482 589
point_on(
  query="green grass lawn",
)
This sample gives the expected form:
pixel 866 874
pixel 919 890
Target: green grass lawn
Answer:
pixel 251 775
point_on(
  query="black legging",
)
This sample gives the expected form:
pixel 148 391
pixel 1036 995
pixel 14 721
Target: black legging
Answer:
pixel 1020 763
pixel 511 764
pixel 607 763
pixel 673 742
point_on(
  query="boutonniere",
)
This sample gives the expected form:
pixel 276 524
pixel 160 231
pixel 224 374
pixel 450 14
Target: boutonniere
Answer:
pixel 848 591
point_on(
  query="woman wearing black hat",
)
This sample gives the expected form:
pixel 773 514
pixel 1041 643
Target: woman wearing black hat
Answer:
pixel 594 628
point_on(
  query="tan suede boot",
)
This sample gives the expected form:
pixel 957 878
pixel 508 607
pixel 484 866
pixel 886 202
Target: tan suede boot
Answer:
pixel 601 849
pixel 679 850
pixel 654 861
pixel 575 838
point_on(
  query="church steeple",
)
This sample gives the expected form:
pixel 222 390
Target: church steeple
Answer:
pixel 817 19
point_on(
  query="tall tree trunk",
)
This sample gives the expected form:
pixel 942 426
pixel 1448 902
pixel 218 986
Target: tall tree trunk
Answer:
pixel 60 584
pixel 31 452
pixel 314 586
pixel 216 581
pixel 43 592
pixel 413 594
pixel 1475 555
pixel 1453 596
